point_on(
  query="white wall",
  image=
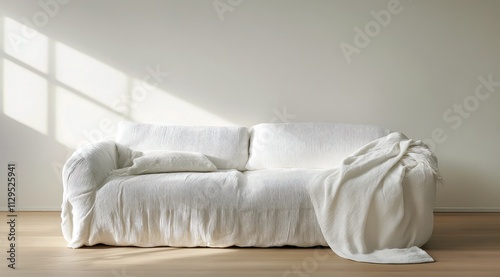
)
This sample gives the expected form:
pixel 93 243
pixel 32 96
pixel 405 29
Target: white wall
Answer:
pixel 83 71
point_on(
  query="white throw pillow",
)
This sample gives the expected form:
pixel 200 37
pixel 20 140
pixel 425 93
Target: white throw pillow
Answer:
pixel 161 161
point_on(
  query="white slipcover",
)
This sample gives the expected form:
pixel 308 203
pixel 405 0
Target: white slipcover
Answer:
pixel 294 171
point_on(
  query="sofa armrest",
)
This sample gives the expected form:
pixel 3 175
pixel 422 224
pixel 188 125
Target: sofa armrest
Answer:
pixel 83 175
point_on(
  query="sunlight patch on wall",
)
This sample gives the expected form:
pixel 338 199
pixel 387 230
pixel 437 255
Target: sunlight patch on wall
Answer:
pixel 162 107
pixel 89 76
pixel 25 96
pixel 26 45
pixel 80 121
pixel 86 97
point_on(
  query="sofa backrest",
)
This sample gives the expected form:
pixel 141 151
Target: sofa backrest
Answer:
pixel 307 145
pixel 225 146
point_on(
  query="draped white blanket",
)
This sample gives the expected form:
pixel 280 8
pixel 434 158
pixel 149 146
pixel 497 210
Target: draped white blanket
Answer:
pixel 368 209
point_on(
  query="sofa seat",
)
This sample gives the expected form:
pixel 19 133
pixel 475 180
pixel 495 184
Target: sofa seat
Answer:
pixel 259 208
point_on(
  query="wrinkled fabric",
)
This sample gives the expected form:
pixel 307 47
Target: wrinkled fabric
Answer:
pixel 378 205
pixel 261 208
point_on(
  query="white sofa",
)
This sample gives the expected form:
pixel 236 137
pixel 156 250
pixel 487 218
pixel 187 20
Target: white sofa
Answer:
pixel 259 195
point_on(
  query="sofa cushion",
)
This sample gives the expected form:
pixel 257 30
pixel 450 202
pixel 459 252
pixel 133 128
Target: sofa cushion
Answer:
pixel 307 145
pixel 225 146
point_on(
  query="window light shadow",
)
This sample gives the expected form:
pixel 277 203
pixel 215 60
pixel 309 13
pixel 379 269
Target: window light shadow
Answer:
pixel 24 96
pixel 74 98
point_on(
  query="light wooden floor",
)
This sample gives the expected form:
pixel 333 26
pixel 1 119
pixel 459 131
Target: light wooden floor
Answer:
pixel 462 245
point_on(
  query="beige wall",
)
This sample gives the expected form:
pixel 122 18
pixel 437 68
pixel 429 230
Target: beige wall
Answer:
pixel 420 67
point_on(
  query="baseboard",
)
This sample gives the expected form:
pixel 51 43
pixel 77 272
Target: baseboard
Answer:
pixel 33 209
pixel 467 209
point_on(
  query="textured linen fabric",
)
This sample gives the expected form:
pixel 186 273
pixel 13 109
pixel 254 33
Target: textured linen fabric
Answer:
pixel 84 174
pixel 187 209
pixel 307 145
pixel 378 205
pixel 161 161
pixel 225 146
